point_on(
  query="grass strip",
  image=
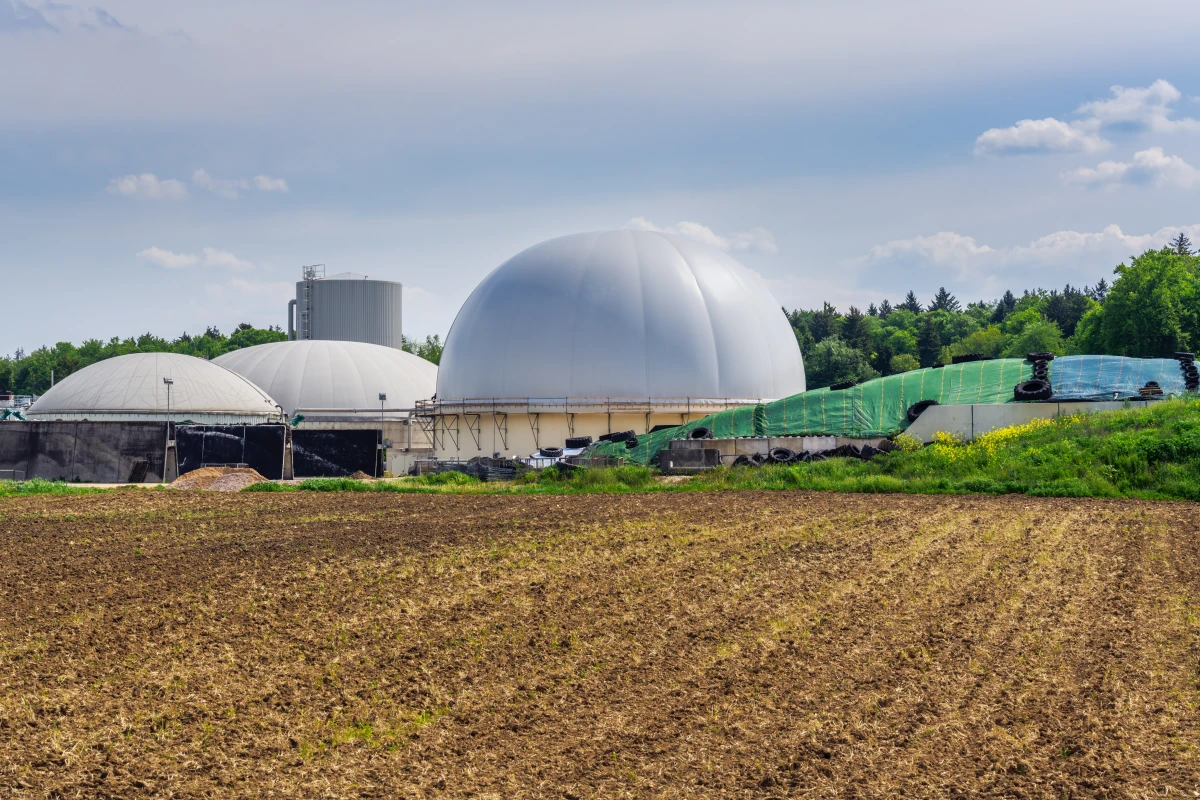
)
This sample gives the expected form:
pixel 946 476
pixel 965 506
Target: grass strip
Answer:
pixel 1151 453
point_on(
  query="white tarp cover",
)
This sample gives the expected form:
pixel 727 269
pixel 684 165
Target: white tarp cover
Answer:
pixel 314 374
pixel 131 386
pixel 621 314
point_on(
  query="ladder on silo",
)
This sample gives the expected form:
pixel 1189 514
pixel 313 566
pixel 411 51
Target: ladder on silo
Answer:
pixel 310 275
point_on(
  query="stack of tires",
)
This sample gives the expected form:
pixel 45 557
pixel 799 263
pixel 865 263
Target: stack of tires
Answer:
pixel 629 438
pixel 1038 387
pixel 1191 373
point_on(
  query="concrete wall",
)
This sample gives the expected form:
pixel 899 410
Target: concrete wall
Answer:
pixel 969 421
pixel 552 431
pixel 409 443
pixel 92 452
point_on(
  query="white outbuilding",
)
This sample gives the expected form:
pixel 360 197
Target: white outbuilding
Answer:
pixel 156 387
pixel 599 332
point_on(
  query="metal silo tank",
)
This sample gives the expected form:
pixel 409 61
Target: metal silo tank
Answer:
pixel 349 309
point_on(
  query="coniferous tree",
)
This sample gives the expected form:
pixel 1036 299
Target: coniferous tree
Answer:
pixel 944 301
pixel 911 303
pixel 1099 291
pixel 1066 309
pixel 855 331
pixel 872 310
pixel 885 308
pixel 1004 307
pixel 1182 245
pixel 929 343
pixel 881 359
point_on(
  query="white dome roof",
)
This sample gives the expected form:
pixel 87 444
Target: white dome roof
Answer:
pixel 131 387
pixel 315 373
pixel 630 314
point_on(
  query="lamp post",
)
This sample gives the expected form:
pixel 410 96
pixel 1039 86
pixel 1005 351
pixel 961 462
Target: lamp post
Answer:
pixel 168 383
pixel 382 440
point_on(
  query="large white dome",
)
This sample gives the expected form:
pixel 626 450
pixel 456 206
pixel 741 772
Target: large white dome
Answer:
pixel 131 387
pixel 313 374
pixel 621 314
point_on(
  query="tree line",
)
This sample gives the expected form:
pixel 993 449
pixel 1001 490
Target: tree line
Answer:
pixel 1149 311
pixel 30 374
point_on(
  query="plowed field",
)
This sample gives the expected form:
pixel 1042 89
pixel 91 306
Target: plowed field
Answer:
pixel 735 644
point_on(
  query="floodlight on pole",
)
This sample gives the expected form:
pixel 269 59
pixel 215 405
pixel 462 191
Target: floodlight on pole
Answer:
pixel 382 399
pixel 168 383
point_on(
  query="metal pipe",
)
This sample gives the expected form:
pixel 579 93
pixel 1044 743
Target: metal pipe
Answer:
pixel 291 320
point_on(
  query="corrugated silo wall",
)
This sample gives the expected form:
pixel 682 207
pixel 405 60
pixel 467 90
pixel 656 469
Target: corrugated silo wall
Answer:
pixel 354 311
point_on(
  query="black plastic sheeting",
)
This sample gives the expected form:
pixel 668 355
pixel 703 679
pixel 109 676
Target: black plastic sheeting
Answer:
pixel 336 454
pixel 257 446
pixel 95 452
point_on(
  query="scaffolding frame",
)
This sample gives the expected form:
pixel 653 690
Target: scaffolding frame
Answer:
pixel 443 420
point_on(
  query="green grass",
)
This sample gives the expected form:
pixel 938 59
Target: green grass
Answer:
pixel 548 481
pixel 1150 453
pixel 41 486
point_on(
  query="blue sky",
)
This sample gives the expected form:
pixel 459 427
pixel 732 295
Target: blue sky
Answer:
pixel 165 166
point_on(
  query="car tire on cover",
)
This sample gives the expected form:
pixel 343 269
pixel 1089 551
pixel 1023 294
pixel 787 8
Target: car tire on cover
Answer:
pixel 1036 389
pixel 916 408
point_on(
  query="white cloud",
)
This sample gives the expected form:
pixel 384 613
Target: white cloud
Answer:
pixel 1045 135
pixel 265 183
pixel 759 239
pixel 218 186
pixel 956 250
pixel 945 248
pixel 219 258
pixel 1150 167
pixel 231 188
pixel 1148 107
pixel 148 185
pixel 165 258
pixel 209 257
pixel 1110 240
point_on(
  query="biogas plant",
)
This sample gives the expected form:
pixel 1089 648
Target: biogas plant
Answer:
pixel 595 333
pixel 588 349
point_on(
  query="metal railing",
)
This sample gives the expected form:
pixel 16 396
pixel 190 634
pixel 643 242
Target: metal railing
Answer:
pixel 578 405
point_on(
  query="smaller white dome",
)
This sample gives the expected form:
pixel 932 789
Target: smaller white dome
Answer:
pixel 321 374
pixel 131 387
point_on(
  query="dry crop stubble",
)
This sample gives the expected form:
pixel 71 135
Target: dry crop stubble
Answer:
pixel 737 643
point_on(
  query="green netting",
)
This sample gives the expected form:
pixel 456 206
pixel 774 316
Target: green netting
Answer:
pixel 871 409
pixel 880 407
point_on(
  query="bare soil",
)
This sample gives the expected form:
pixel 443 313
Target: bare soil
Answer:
pixel 733 644
pixel 218 479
